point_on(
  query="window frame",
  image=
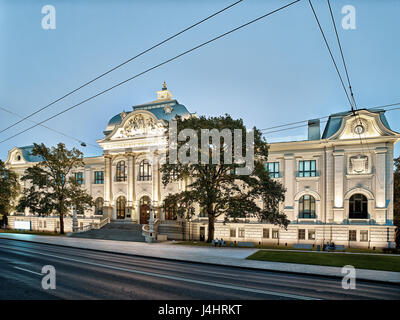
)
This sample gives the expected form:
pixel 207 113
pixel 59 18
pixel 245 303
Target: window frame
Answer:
pixel 352 235
pixel 120 175
pixel 265 233
pixel 274 165
pixel 358 199
pixel 302 172
pixel 96 210
pixel 311 210
pixel 301 234
pixel 99 180
pixel 145 173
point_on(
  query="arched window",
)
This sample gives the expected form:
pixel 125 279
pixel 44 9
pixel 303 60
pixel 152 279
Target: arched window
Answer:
pixel 144 171
pixel 121 174
pixel 121 206
pixel 99 206
pixel 307 207
pixel 170 213
pixel 358 206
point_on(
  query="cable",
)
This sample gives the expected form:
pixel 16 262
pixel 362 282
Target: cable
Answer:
pixel 120 65
pixel 82 143
pixel 330 52
pixel 154 67
pixel 341 53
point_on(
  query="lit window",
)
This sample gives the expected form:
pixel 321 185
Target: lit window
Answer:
pixel 98 177
pixel 352 235
pixel 273 169
pixel 241 232
pixel 265 233
pixel 121 207
pixel 307 168
pixel 307 207
pixel 358 207
pixel 302 234
pixel 144 171
pixel 311 234
pixel 121 171
pixel 275 234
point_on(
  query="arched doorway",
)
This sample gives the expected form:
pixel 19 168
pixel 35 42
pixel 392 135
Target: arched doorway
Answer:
pixel 121 207
pixel 144 210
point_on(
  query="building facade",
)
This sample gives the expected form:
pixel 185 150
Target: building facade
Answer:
pixel 339 185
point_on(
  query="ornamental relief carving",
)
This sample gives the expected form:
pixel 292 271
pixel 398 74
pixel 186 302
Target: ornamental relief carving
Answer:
pixel 358 164
pixel 140 124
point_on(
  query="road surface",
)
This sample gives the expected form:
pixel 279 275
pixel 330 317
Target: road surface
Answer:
pixel 86 274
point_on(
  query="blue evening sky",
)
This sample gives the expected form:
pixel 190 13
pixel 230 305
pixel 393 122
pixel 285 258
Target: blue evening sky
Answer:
pixel 273 72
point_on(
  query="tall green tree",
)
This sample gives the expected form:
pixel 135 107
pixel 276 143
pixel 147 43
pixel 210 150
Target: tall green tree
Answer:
pixel 52 187
pixel 9 190
pixel 217 188
pixel 396 198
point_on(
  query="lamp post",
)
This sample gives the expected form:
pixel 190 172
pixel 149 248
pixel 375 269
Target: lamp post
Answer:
pixel 74 219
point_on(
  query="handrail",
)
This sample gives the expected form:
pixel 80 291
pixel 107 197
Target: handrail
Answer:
pixel 93 225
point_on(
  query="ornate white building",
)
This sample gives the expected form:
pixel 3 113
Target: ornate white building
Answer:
pixel 339 186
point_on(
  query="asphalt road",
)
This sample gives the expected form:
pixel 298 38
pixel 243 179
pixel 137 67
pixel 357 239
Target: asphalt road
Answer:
pixel 86 274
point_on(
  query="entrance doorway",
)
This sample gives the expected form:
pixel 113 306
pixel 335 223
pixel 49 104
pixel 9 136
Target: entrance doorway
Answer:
pixel 121 207
pixel 144 210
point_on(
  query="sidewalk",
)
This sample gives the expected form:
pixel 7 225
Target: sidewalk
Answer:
pixel 233 257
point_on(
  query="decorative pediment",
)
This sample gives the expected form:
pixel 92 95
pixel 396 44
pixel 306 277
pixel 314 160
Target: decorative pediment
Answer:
pixel 364 124
pixel 138 124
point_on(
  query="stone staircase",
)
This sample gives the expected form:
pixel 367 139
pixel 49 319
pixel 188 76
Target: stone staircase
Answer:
pixel 173 231
pixel 115 230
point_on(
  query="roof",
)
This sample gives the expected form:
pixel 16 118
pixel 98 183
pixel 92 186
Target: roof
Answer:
pixel 27 154
pixel 335 121
pixel 158 108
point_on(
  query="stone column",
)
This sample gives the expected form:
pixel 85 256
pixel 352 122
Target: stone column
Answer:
pixel 107 185
pixel 289 180
pixel 130 179
pixel 338 180
pixel 380 177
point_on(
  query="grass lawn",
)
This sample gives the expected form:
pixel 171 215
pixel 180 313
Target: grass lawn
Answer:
pixel 31 232
pixel 360 261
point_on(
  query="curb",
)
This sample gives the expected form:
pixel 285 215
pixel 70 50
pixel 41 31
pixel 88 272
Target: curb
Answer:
pixel 209 263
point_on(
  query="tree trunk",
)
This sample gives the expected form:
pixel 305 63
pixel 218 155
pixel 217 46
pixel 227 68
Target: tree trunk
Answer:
pixel 61 223
pixel 211 220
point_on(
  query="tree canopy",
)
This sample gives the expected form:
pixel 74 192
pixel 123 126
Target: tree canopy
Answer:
pixel 217 188
pixel 52 187
pixel 9 190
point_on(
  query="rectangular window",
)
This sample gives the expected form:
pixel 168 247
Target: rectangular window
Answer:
pixel 99 177
pixel 275 234
pixel 265 233
pixel 273 169
pixel 58 224
pixel 311 234
pixel 308 168
pixel 44 224
pixel 40 224
pixel 241 232
pixel 233 232
pixel 364 235
pixel 302 234
pixel 79 177
pixel 352 235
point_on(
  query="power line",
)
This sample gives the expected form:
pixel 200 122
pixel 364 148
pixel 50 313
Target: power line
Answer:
pixel 121 64
pixel 330 53
pixel 305 125
pixel 154 67
pixel 341 53
pixel 82 143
